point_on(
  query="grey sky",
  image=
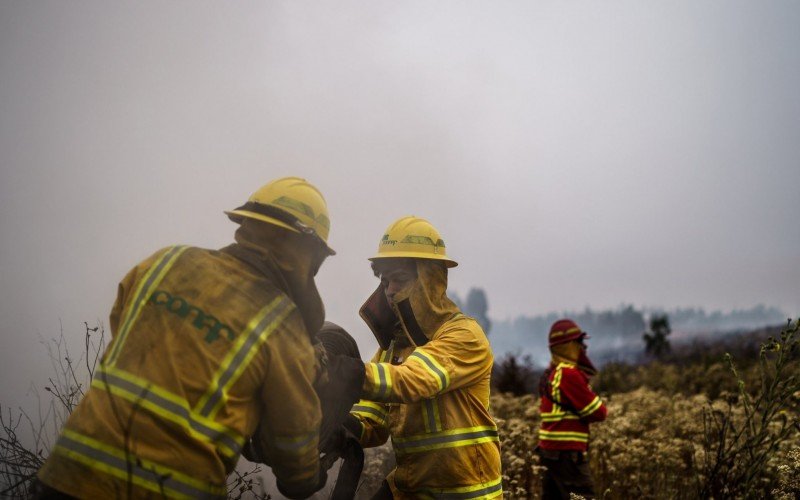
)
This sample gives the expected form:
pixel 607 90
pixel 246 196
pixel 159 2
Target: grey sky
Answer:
pixel 571 153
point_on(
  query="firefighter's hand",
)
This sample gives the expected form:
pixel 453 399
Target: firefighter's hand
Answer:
pixel 253 451
pixel 337 440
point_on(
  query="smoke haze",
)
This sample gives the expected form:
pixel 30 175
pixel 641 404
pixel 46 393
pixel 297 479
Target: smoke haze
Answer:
pixel 571 155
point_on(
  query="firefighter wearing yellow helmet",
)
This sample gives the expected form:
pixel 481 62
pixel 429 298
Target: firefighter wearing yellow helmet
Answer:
pixel 206 345
pixel 428 385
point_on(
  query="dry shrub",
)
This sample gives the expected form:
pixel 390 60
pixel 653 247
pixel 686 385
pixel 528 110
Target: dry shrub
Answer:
pixel 685 431
pixel 25 441
pixel 652 445
pixel 517 423
pixel 648 446
pixel 744 450
pixel 789 477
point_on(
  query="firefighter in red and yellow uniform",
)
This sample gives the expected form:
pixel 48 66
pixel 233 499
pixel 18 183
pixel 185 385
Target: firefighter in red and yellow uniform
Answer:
pixel 206 346
pixel 568 406
pixel 428 385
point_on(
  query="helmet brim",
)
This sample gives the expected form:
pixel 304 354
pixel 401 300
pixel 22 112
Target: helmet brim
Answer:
pixel 581 336
pixel 237 216
pixel 414 255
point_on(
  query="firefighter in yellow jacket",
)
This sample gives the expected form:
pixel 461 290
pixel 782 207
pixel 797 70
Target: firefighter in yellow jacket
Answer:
pixel 428 385
pixel 206 345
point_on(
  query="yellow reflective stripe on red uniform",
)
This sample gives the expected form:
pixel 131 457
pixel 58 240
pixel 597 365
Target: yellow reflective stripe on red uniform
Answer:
pixel 370 410
pixel 433 367
pixel 147 285
pixel 430 415
pixel 556 392
pixel 582 437
pixel 591 407
pixel 381 380
pixel 128 467
pixel 490 489
pixel 169 406
pixel 445 439
pixel 557 416
pixel 236 360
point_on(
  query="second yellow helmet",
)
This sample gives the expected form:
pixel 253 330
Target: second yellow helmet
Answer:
pixel 413 237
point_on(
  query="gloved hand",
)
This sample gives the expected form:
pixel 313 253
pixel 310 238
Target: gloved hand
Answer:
pixel 336 441
pixel 353 426
pixel 253 450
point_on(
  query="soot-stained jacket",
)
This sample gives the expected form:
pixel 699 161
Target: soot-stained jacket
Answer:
pixel 206 344
pixel 428 389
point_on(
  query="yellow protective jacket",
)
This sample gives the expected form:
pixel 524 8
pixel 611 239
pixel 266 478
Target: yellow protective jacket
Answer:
pixel 431 395
pixel 206 345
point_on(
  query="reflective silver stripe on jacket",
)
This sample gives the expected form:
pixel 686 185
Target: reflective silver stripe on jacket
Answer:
pixel 162 403
pixel 153 276
pixel 235 362
pixel 483 490
pixel 128 467
pixel 445 439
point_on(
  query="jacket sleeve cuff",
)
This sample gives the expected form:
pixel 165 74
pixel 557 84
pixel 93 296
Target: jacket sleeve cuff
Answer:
pixel 303 489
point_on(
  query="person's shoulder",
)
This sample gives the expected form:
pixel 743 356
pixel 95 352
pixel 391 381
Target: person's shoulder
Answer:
pixel 566 369
pixel 464 328
pixel 163 257
pixel 570 371
pixel 170 254
pixel 460 321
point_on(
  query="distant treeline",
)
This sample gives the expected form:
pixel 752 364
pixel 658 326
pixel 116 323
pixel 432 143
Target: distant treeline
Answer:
pixel 616 335
pixel 695 320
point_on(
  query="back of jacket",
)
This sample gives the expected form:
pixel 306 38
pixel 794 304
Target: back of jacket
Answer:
pixel 204 348
pixel 434 402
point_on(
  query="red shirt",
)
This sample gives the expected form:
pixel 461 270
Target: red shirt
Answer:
pixel 565 423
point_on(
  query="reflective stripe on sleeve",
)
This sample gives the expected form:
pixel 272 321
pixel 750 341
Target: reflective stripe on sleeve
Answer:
pixel 169 406
pixel 557 416
pixel 147 284
pixel 370 410
pixel 430 414
pixel 236 360
pixel 382 380
pixel 292 448
pixel 386 356
pixel 582 437
pixel 556 383
pixel 297 445
pixel 445 439
pixel 489 489
pixel 433 367
pixel 591 407
pixel 128 467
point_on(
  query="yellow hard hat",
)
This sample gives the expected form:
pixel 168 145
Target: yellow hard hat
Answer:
pixel 291 203
pixel 413 237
